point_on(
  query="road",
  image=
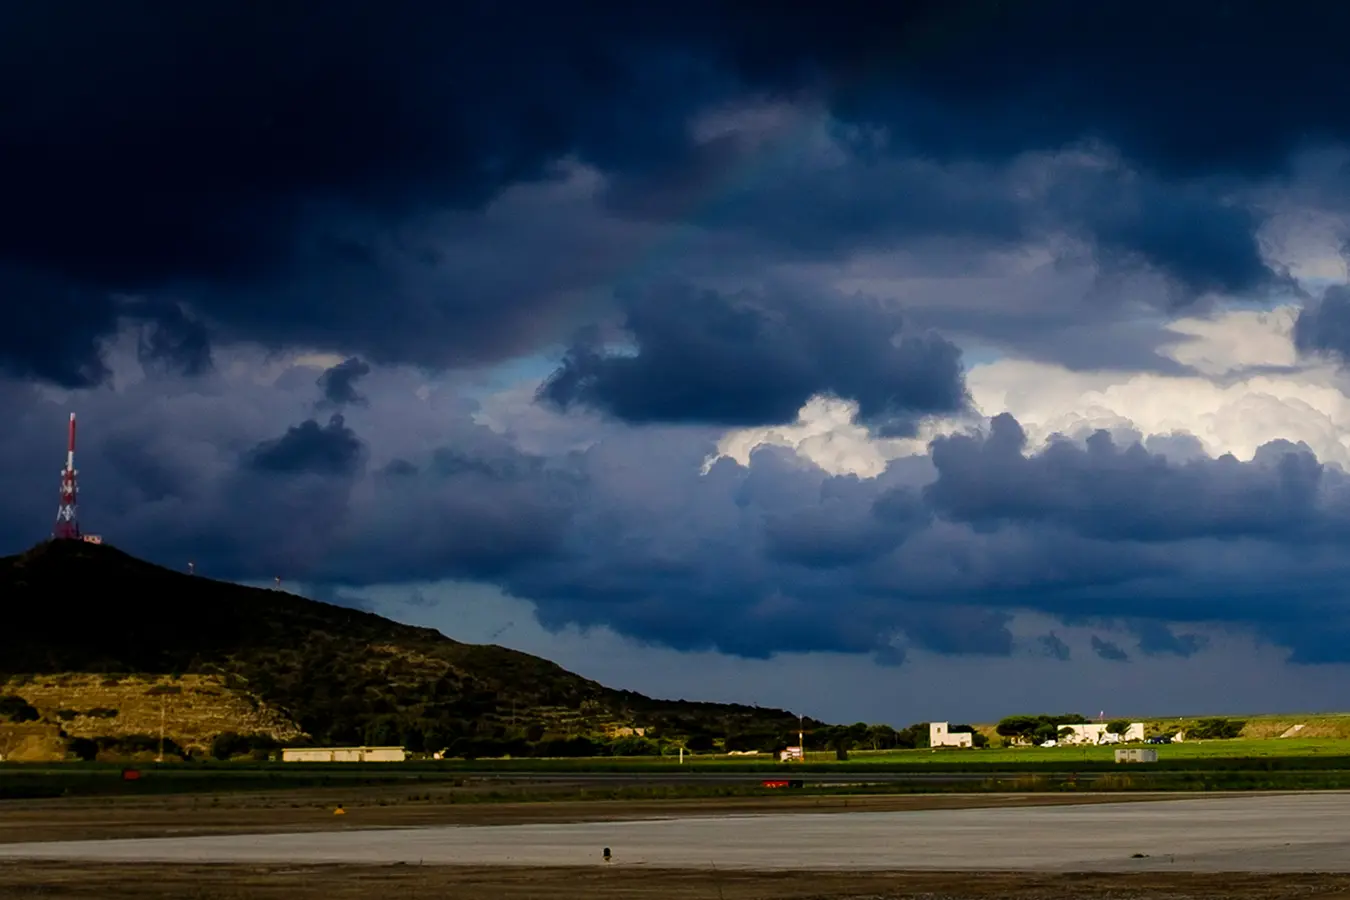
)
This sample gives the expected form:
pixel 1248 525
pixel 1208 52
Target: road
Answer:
pixel 1280 833
pixel 702 777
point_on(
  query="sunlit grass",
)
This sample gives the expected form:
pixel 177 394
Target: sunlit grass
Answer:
pixel 1237 748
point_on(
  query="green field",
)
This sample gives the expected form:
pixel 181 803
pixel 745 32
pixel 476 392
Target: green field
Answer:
pixel 1227 754
pixel 1315 763
pixel 1238 748
pixel 1256 754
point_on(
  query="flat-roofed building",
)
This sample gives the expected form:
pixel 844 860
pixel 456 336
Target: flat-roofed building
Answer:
pixel 940 736
pixel 343 754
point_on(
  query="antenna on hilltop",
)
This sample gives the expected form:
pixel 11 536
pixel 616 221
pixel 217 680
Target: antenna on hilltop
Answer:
pixel 67 519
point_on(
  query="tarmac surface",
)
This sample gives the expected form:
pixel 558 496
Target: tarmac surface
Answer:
pixel 1306 832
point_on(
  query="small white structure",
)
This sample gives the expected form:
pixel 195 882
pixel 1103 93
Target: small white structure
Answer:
pixel 939 736
pixel 1096 733
pixel 1136 755
pixel 343 754
pixel 791 753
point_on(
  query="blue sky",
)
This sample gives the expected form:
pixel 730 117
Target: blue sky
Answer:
pixel 935 362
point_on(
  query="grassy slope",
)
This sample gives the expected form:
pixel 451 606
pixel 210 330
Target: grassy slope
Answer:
pixel 337 672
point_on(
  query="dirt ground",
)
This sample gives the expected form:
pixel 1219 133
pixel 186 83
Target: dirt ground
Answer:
pixel 68 881
pixel 313 810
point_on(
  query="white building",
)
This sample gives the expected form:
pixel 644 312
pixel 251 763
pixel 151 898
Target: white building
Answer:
pixel 939 736
pixel 343 754
pixel 791 753
pixel 1096 733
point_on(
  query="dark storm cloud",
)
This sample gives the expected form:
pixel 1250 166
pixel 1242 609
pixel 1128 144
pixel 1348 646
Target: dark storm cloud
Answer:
pixel 479 508
pixel 283 171
pixel 1053 646
pixel 1156 639
pixel 1324 326
pixel 339 382
pixel 1203 241
pixel 782 557
pixel 1108 492
pixel 819 208
pixel 625 532
pixel 252 160
pixel 850 526
pixel 1171 86
pixel 398 468
pixel 956 631
pixel 170 339
pixel 755 359
pixel 1198 235
pixel 52 327
pixel 332 449
pixel 1108 650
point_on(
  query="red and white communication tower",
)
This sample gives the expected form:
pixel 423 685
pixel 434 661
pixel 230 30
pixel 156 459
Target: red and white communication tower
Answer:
pixel 67 521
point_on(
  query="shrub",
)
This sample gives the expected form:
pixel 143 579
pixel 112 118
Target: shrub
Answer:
pixel 132 744
pixel 636 746
pixel 1215 729
pixel 84 749
pixel 699 743
pixel 16 709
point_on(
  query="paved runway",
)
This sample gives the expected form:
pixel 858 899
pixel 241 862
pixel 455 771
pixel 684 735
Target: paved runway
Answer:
pixel 1280 833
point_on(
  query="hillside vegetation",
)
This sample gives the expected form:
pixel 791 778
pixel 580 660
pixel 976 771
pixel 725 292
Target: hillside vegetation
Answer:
pixel 103 644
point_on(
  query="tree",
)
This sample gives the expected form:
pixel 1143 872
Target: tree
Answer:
pixel 382 731
pixel 1019 726
pixel 1118 726
pixel 227 744
pixel 414 738
pixel 1046 731
pixel 881 737
pixel 841 741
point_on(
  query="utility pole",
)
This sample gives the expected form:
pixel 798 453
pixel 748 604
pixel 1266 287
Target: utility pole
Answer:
pixel 161 730
pixel 67 519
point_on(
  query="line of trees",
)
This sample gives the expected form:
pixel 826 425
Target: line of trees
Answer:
pixel 1037 728
pixel 1040 728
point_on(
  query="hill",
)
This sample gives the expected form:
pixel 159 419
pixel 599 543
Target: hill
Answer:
pixel 103 646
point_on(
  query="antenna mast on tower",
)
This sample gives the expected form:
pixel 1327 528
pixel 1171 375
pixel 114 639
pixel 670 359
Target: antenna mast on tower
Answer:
pixel 67 521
